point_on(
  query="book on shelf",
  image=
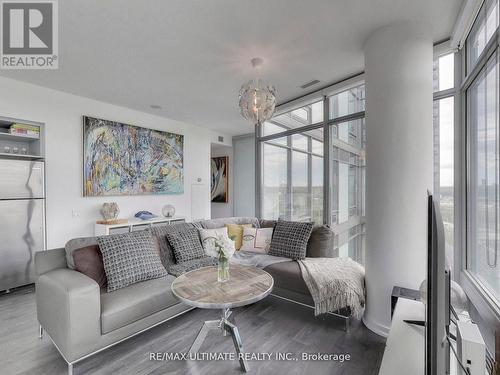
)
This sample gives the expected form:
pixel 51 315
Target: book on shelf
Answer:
pixel 19 126
pixel 25 133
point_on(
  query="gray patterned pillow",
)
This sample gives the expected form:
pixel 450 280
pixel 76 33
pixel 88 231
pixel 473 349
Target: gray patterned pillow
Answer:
pixel 180 268
pixel 290 239
pixel 129 258
pixel 186 244
pixel 160 232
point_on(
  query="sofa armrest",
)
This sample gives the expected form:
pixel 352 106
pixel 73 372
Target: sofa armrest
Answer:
pixel 68 308
pixel 49 260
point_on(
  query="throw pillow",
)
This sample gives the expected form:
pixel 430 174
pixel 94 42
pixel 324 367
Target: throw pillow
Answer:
pixel 290 239
pixel 257 240
pixel 267 223
pixel 320 244
pixel 77 243
pixel 235 232
pixel 185 244
pixel 88 260
pixel 208 237
pixel 129 258
pixel 160 232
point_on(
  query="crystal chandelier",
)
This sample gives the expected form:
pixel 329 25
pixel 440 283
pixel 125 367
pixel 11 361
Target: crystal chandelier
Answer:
pixel 257 99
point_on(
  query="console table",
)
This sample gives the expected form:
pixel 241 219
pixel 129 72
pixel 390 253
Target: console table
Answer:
pixel 135 224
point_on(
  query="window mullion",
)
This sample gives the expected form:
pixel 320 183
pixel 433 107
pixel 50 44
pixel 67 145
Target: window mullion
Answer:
pixel 289 181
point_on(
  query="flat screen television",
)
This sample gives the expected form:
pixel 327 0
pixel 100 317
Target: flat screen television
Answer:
pixel 437 353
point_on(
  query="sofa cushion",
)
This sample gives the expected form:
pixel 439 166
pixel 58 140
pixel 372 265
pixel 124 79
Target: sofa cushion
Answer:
pixel 136 301
pixel 160 232
pixel 320 244
pixel 180 268
pixel 287 275
pixel 235 233
pixel 129 258
pixel 290 239
pixel 77 243
pixel 88 260
pixel 257 240
pixel 186 244
pixel 219 223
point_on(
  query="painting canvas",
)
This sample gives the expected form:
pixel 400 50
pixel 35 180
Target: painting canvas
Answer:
pixel 121 159
pixel 219 179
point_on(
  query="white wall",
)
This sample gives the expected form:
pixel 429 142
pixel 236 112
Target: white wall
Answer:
pixel 69 214
pixel 244 175
pixel 224 209
pixel 399 168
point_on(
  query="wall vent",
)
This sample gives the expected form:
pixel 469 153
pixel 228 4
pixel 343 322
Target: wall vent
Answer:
pixel 309 84
pixel 221 138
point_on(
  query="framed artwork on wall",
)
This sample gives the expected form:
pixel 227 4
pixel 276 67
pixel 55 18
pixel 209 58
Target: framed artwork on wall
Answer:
pixel 219 179
pixel 121 159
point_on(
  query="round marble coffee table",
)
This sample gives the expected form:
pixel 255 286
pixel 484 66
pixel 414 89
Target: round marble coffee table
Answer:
pixel 200 288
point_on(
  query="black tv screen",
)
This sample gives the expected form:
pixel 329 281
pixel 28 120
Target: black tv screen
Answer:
pixel 438 295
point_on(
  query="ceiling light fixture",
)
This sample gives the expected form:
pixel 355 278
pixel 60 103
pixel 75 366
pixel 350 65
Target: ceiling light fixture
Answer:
pixel 257 99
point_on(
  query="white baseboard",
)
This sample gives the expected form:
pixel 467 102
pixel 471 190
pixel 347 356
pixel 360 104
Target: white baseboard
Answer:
pixel 377 328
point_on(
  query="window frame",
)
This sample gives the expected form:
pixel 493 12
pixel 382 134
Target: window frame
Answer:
pixel 486 305
pixel 329 139
pixel 442 49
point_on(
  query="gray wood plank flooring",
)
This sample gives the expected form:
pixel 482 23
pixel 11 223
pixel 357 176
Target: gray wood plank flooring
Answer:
pixel 271 325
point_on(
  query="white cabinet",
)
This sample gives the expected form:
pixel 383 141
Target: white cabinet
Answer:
pixel 134 225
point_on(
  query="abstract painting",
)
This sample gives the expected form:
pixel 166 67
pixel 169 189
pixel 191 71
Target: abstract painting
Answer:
pixel 219 179
pixel 121 159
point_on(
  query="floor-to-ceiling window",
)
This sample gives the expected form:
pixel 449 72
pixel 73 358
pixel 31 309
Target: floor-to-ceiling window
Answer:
pixel 347 166
pixel 480 93
pixel 292 166
pixel 444 138
pixel 298 183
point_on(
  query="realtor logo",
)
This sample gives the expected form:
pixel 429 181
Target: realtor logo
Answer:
pixel 29 34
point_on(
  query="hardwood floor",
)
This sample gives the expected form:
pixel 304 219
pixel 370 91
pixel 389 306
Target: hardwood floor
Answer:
pixel 269 326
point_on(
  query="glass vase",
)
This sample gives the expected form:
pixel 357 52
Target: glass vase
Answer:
pixel 223 269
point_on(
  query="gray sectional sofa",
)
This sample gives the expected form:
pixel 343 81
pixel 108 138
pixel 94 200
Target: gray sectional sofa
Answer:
pixel 81 319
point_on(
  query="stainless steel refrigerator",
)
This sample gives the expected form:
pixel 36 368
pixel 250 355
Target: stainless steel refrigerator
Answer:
pixel 22 220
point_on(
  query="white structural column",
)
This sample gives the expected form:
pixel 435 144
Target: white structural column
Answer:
pixel 398 67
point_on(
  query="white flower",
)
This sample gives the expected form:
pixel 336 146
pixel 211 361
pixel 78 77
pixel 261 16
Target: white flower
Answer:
pixel 224 246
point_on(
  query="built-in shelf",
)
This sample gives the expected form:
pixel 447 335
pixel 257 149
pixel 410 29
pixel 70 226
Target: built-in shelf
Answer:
pixel 20 156
pixel 15 137
pixel 28 147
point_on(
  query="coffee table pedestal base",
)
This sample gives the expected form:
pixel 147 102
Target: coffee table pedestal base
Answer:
pixel 225 326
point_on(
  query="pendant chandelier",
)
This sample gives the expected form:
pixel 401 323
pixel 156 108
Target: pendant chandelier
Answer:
pixel 257 98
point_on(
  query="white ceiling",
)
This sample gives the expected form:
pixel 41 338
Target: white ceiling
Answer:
pixel 191 57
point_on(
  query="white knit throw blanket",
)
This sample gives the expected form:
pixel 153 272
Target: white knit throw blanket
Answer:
pixel 335 283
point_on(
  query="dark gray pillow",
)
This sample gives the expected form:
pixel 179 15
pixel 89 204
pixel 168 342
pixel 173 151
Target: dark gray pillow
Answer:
pixel 320 244
pixel 160 232
pixel 267 223
pixel 186 244
pixel 180 268
pixel 129 258
pixel 290 239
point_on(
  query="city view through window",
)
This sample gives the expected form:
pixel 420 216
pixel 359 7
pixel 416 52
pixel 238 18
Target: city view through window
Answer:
pixel 293 169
